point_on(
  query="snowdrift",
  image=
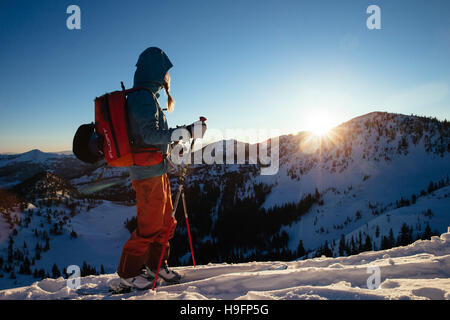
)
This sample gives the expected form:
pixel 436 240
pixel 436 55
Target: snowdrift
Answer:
pixel 418 271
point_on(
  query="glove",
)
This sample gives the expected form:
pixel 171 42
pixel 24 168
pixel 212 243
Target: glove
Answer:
pixel 195 130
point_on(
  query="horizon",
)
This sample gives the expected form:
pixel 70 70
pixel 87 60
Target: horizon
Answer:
pixel 210 142
pixel 257 64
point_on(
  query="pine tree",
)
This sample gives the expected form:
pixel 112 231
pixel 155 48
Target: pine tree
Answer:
pixel 55 271
pixel 342 246
pixel 368 244
pixel 326 250
pixel 391 239
pixel 65 274
pixel 73 234
pixel 41 273
pixel 405 236
pixel 431 187
pixel 300 249
pixel 354 249
pixel 360 243
pixel 384 243
pixel 427 233
pixel 26 266
pixel 38 252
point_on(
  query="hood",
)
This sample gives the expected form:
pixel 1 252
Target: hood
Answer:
pixel 151 68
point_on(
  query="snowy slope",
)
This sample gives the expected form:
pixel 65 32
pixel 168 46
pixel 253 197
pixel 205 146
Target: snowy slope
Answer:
pixel 418 271
pixel 332 217
pixel 100 236
pixel 365 165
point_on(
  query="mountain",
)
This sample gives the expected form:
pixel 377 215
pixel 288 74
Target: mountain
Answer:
pixel 15 168
pixel 375 182
pixel 44 185
pixel 371 174
pixel 34 156
pixel 366 168
pixel 419 271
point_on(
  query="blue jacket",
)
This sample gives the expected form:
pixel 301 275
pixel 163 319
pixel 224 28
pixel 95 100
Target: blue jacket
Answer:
pixel 148 124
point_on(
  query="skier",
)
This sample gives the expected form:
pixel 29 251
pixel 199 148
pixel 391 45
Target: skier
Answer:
pixel 148 127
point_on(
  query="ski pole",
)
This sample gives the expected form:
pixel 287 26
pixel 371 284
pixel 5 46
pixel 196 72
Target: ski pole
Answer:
pixel 166 239
pixel 202 119
pixel 188 228
pixel 177 199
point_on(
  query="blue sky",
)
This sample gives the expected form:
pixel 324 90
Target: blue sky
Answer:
pixel 242 64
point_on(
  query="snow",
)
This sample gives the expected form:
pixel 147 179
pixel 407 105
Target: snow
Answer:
pixel 418 271
pixel 34 156
pixel 347 191
pixel 100 237
pixel 337 208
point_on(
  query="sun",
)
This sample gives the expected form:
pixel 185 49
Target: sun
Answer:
pixel 321 129
pixel 320 123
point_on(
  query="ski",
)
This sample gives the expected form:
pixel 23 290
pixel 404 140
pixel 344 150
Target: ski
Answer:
pixel 109 291
pixel 117 289
pixel 114 290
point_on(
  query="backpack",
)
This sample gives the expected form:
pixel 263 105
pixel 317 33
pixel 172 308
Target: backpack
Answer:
pixel 113 138
pixel 111 125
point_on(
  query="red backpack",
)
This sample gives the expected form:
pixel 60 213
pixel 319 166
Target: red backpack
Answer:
pixel 111 124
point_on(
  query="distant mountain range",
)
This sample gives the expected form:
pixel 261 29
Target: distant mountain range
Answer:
pixel 15 168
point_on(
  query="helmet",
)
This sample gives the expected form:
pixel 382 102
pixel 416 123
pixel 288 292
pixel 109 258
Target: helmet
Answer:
pixel 87 144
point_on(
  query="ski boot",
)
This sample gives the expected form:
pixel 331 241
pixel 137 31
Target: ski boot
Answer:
pixel 169 276
pixel 143 281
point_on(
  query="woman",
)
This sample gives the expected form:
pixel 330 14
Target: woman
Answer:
pixel 148 127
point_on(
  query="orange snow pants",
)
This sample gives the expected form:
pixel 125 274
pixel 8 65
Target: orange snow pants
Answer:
pixel 154 218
